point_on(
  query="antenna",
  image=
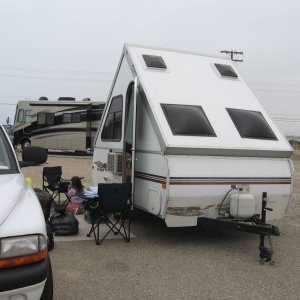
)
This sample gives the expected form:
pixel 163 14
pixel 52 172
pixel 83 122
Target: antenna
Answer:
pixel 232 53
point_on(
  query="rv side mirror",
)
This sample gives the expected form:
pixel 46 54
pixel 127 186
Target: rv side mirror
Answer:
pixel 32 156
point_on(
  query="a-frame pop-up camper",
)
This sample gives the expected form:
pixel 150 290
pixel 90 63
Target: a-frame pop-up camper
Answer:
pixel 190 135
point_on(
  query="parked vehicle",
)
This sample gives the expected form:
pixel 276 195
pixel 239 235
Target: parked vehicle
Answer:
pixel 25 268
pixel 194 141
pixel 58 125
pixel 10 131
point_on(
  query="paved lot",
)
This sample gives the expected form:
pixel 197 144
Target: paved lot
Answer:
pixel 184 263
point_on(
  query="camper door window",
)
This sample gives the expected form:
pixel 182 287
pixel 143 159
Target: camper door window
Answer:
pixel 187 120
pixel 112 129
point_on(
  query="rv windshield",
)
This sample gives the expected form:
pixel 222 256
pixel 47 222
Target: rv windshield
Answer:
pixel 187 120
pixel 7 160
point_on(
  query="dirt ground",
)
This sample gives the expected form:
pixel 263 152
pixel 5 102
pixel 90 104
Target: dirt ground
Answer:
pixel 71 166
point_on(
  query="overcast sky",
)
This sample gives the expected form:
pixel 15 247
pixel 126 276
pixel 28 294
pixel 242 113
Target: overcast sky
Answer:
pixel 72 47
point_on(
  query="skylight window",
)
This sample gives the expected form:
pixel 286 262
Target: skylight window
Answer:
pixel 154 61
pixel 251 124
pixel 226 70
pixel 187 120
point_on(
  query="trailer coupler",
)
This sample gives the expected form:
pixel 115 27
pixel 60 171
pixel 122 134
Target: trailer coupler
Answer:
pixel 256 224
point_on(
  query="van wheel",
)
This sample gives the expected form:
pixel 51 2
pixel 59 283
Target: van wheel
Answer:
pixel 48 289
pixel 25 144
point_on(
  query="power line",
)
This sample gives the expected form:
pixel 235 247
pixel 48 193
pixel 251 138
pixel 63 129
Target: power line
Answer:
pixel 275 84
pixel 57 71
pixel 277 90
pixel 55 78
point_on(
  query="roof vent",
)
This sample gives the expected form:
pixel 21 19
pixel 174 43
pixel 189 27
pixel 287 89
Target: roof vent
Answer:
pixel 66 99
pixel 154 61
pixel 43 98
pixel 226 70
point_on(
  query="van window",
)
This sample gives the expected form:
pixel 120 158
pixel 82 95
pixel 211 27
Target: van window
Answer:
pixel 7 162
pixel 187 120
pixel 112 129
pixel 20 116
pixel 251 124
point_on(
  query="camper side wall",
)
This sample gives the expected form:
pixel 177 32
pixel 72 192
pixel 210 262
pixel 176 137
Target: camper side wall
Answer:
pixel 197 186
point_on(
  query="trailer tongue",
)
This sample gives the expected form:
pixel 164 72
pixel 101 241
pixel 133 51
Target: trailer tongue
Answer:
pixel 256 224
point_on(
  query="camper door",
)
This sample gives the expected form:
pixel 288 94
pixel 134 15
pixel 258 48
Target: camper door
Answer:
pixel 114 153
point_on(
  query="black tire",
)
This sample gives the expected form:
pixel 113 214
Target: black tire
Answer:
pixel 25 144
pixel 48 289
pixel 35 154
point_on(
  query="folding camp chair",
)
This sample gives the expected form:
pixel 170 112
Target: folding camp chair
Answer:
pixel 112 198
pixel 55 185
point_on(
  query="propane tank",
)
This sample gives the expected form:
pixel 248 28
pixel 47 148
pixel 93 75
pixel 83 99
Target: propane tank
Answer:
pixel 242 203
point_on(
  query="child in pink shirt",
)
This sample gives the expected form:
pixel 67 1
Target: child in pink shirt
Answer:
pixel 76 202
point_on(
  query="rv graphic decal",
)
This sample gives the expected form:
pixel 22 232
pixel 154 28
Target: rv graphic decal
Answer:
pixel 101 166
pixel 213 180
pixel 150 177
pixel 228 180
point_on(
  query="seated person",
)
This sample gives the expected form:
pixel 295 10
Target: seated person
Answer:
pixel 76 205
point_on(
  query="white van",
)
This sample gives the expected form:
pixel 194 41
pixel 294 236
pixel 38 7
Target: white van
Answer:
pixel 25 268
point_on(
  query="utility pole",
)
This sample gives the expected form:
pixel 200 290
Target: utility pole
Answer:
pixel 232 53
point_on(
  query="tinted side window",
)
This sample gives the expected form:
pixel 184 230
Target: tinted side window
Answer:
pixel 251 124
pixel 27 116
pixel 187 120
pixel 45 118
pixel 50 119
pixel 112 129
pixel 66 118
pixel 76 118
pixel 41 118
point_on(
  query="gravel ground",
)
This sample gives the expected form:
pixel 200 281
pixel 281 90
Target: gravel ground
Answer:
pixel 168 263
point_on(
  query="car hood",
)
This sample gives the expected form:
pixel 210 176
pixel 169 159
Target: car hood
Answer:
pixel 12 187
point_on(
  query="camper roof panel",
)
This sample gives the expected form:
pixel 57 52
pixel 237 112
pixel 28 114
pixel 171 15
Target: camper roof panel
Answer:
pixel 194 80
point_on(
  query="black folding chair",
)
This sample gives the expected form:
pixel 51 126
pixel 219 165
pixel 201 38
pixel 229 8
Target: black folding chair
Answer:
pixel 113 198
pixel 55 185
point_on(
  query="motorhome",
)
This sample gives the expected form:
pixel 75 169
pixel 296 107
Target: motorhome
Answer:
pixel 192 138
pixel 65 124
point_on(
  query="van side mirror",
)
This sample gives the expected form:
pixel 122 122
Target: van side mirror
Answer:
pixel 33 156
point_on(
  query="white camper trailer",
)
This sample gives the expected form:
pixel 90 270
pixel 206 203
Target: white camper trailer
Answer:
pixel 192 138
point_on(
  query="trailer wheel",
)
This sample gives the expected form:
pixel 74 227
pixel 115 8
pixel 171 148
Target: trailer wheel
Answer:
pixel 25 144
